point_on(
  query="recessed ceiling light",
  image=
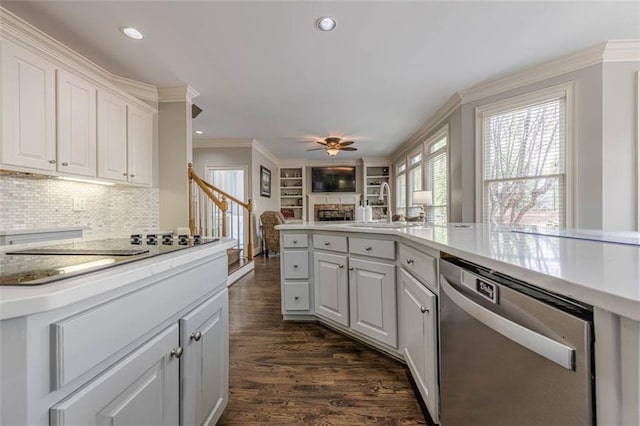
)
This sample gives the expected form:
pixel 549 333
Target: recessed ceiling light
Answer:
pixel 199 132
pixel 132 33
pixel 326 23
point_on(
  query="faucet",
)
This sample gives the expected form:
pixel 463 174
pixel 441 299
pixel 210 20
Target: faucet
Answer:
pixel 381 197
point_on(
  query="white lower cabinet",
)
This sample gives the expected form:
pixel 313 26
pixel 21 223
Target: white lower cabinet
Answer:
pixel 142 389
pixel 331 287
pixel 418 337
pixel 372 290
pixel 204 375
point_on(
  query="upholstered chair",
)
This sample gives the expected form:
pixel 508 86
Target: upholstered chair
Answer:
pixel 271 235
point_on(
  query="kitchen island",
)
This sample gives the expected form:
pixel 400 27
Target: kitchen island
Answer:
pixel 604 276
pixel 143 342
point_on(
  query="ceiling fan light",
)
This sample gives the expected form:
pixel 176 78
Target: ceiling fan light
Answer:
pixel 332 152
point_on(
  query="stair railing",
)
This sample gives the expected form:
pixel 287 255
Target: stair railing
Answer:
pixel 209 207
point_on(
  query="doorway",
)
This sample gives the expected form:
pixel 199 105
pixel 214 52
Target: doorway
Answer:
pixel 232 180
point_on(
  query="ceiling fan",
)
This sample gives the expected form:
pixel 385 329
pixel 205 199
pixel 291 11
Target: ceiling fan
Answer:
pixel 334 145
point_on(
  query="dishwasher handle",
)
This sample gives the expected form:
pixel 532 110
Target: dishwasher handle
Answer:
pixel 548 348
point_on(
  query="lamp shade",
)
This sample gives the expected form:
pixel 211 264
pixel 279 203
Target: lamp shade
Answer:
pixel 422 198
pixel 332 151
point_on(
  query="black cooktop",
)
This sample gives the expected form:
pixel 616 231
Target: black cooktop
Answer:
pixel 42 265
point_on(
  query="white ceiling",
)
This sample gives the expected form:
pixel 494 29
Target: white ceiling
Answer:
pixel 264 71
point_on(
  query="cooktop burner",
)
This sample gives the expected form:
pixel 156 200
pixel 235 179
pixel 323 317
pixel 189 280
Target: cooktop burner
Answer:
pixel 43 265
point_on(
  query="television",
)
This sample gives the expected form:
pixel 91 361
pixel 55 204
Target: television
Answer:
pixel 333 179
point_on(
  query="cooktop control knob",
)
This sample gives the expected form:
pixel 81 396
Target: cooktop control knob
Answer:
pixel 136 239
pixel 183 240
pixel 152 239
pixel 167 239
pixel 197 239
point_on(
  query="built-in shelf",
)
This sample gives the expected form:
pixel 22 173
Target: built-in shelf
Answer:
pixel 292 190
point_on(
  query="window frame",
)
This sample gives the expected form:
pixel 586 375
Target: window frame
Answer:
pixel 566 91
pixel 402 164
pixel 436 137
pixel 410 207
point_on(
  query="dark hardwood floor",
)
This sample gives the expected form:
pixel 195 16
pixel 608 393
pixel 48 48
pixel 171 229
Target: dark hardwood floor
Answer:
pixel 303 373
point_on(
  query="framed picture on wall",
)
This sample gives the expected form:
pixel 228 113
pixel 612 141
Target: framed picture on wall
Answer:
pixel 265 182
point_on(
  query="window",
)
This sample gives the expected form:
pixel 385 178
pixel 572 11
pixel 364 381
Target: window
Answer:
pixel 436 173
pixel 415 180
pixel 524 161
pixel 401 187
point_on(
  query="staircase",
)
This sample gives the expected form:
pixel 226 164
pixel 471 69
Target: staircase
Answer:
pixel 215 213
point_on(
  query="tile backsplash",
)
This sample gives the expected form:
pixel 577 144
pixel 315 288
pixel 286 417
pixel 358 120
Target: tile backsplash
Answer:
pixel 110 211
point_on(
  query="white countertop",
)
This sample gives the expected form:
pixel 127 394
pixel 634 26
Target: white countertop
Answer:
pixel 16 301
pixel 601 274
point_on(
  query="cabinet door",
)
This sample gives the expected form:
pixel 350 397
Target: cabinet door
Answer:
pixel 331 287
pixel 372 288
pixel 142 389
pixel 139 142
pixel 28 109
pixel 204 368
pixel 112 137
pixel 76 125
pixel 418 338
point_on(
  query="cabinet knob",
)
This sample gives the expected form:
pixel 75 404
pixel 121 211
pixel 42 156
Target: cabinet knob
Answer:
pixel 52 161
pixel 124 174
pixel 423 309
pixel 368 248
pixel 65 164
pixel 409 261
pixel 295 266
pixel 295 241
pixel 196 336
pixel 177 352
pixel 132 175
pixel 341 266
pixel 326 243
pixel 296 297
pixel 351 269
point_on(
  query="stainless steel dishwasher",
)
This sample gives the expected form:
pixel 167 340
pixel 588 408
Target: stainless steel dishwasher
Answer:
pixel 511 354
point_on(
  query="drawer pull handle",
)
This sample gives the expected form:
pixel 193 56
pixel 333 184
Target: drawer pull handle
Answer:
pixel 177 352
pixel 423 309
pixel 341 266
pixel 196 336
pixel 296 298
pixel 326 243
pixel 295 266
pixel 295 241
pixel 124 174
pixel 52 161
pixel 409 261
pixel 368 248
pixel 351 269
pixel 132 175
pixel 65 164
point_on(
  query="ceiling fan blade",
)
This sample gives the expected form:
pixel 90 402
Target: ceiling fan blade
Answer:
pixel 345 143
pixel 321 142
pixel 348 149
pixel 316 149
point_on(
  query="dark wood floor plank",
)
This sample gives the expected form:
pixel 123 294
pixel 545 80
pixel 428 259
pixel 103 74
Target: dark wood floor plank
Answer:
pixel 285 373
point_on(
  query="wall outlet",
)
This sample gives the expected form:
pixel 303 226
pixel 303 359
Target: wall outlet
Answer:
pixel 79 204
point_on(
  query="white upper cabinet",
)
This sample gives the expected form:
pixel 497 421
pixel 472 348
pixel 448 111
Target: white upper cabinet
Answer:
pixel 28 109
pixel 139 141
pixel 112 137
pixel 76 125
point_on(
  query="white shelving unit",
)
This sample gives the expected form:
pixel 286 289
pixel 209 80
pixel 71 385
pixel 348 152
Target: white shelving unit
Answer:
pixel 374 176
pixel 292 199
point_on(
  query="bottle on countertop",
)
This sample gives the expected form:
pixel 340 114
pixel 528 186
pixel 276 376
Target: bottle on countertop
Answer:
pixel 360 212
pixel 368 213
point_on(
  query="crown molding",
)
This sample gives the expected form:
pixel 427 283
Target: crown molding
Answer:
pixel 430 125
pixel 177 94
pixel 622 51
pixel 20 32
pixel 222 143
pixel 258 146
pixel 143 91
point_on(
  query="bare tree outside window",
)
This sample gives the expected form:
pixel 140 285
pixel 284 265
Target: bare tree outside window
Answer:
pixel 523 167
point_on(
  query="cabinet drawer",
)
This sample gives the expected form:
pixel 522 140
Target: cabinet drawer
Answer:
pixel 419 264
pixel 370 247
pixel 295 240
pixel 296 264
pixel 296 296
pixel 330 242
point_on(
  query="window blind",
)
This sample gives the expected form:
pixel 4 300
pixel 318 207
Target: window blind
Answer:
pixel 523 168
